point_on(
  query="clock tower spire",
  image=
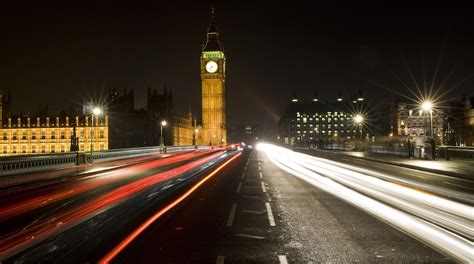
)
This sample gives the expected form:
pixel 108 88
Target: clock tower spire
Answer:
pixel 213 88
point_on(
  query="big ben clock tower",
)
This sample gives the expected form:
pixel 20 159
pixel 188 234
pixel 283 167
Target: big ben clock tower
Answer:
pixel 213 89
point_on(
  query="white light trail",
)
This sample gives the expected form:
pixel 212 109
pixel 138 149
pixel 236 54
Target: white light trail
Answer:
pixel 439 222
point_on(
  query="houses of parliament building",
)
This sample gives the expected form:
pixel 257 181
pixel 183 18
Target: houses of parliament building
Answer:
pixel 49 134
pixel 121 125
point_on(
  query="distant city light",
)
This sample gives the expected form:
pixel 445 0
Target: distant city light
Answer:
pixel 164 123
pixel 294 100
pixel 358 119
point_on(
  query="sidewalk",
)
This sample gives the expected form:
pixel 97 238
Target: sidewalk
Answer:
pixel 455 168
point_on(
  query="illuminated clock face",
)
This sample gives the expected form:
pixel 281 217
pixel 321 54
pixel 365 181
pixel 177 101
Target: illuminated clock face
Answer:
pixel 211 66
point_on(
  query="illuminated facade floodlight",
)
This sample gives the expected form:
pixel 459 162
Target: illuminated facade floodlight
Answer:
pixel 294 100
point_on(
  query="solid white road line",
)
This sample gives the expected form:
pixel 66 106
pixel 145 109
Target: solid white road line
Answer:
pixel 261 175
pixel 238 187
pixel 282 259
pixel 263 187
pixel 220 259
pixel 270 214
pixel 230 219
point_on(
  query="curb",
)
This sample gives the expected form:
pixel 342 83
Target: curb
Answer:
pixel 442 172
pixel 447 173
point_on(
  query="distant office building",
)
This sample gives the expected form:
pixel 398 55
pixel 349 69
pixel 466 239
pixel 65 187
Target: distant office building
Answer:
pixel 247 133
pixel 316 122
pixel 412 121
pixel 45 134
pixel 459 122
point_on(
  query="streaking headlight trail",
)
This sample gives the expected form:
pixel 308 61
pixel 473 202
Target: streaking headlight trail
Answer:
pixel 443 224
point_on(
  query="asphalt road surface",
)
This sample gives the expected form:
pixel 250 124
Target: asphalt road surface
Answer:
pixel 254 212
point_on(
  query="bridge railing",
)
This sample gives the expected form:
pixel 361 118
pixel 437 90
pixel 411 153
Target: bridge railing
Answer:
pixel 388 150
pixel 113 154
pixel 30 163
pixel 20 164
pixel 449 152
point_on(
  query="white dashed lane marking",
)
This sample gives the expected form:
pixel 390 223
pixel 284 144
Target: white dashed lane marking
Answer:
pixel 282 259
pixel 249 236
pixel 271 219
pixel 263 187
pixel 261 175
pixel 238 187
pixel 230 219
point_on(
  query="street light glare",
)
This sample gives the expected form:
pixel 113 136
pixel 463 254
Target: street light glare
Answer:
pixel 358 119
pixel 97 111
pixel 164 123
pixel 427 106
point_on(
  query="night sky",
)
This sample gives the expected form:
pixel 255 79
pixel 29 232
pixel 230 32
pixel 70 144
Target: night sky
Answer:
pixel 57 55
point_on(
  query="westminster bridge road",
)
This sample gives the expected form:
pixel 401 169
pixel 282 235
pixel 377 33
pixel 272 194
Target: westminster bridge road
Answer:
pixel 270 205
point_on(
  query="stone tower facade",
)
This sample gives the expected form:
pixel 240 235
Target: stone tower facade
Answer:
pixel 213 89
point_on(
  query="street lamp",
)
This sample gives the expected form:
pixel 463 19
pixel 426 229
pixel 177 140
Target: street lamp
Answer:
pixel 428 106
pixel 162 124
pixel 195 135
pixel 96 111
pixel 358 119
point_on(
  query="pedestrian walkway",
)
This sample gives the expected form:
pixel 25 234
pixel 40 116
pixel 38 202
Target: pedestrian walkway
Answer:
pixel 457 168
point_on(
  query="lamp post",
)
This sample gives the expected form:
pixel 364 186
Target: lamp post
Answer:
pixel 358 119
pixel 195 135
pixel 96 111
pixel 428 106
pixel 162 124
